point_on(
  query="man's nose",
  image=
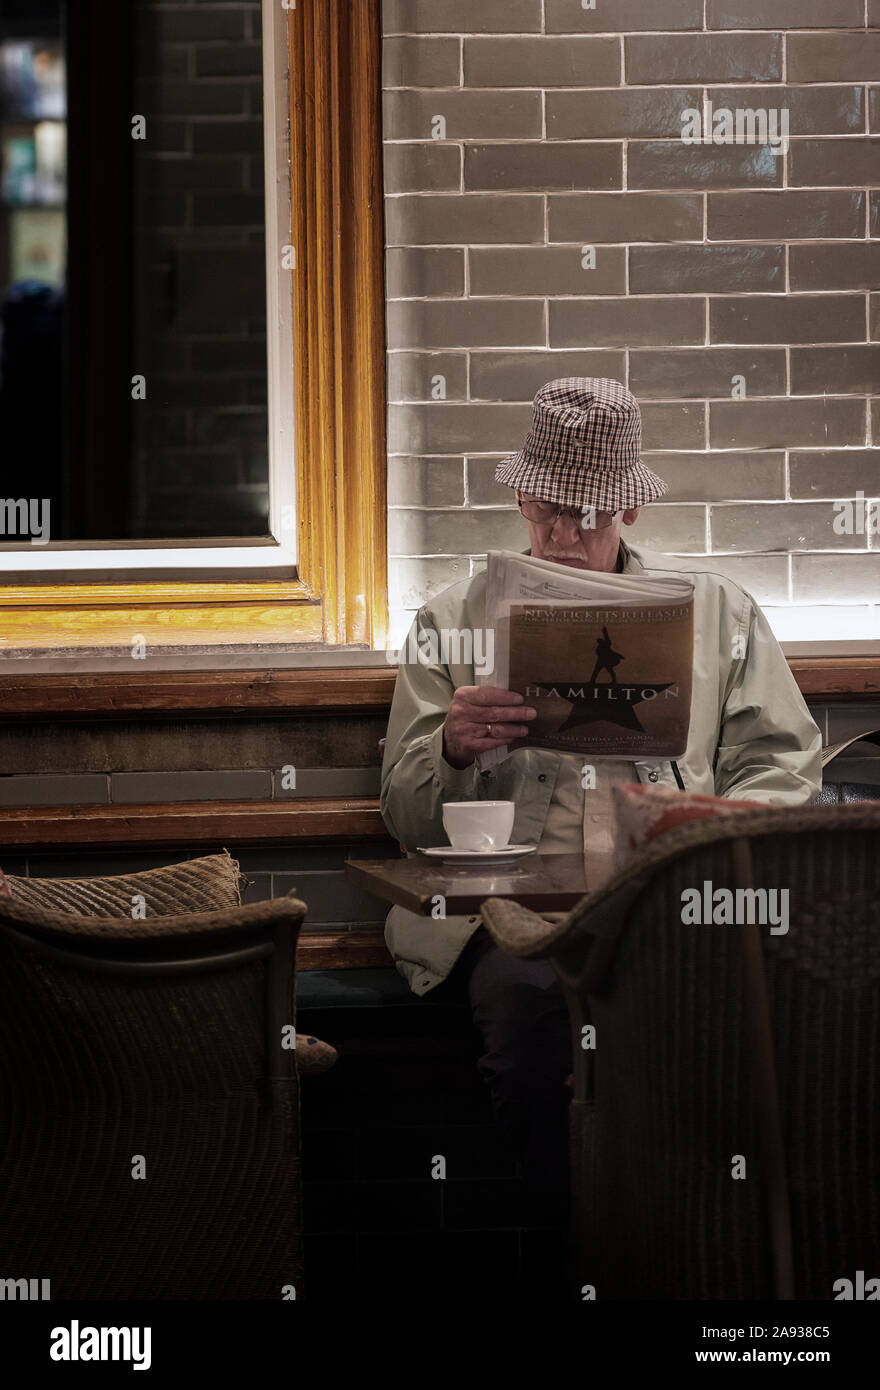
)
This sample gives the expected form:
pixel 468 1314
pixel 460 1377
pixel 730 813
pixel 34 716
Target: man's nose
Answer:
pixel 567 529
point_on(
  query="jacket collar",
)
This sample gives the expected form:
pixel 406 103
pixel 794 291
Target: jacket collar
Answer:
pixel 629 561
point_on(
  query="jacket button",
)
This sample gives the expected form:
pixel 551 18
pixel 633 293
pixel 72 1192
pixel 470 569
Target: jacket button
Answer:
pixel 542 777
pixel 654 774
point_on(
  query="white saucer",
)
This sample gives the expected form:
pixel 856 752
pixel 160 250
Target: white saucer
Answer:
pixel 449 855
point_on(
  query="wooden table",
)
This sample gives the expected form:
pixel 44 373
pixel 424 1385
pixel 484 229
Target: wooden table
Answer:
pixel 543 882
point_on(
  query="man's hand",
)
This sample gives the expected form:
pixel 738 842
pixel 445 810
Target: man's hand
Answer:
pixel 471 709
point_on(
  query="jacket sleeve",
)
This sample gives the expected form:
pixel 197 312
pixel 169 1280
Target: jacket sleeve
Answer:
pixel 769 747
pixel 416 778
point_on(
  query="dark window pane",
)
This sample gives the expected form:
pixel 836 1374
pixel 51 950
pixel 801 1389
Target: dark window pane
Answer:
pixel 133 380
pixel 199 438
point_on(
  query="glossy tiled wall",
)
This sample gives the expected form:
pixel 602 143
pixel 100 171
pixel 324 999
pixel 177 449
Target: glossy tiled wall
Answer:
pixel 545 218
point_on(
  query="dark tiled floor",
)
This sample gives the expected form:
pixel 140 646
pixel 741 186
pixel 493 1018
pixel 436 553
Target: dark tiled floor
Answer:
pixel 404 1093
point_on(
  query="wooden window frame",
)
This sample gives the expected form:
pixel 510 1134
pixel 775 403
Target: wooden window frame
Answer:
pixel 339 595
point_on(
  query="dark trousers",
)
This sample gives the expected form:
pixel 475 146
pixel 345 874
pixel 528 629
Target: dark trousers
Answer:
pixel 520 1011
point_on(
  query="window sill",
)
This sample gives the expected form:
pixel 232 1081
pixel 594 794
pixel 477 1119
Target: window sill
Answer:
pixel 220 659
pixel 248 682
pixel 339 682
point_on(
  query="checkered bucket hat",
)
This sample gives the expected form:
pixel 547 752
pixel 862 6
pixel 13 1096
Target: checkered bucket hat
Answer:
pixel 583 449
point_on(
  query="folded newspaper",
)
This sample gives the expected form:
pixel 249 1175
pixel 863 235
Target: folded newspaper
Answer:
pixel 605 659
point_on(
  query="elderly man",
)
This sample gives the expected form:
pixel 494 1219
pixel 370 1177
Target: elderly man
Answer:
pixel 578 478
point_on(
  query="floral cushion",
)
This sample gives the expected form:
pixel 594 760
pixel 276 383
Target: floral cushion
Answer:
pixel 643 813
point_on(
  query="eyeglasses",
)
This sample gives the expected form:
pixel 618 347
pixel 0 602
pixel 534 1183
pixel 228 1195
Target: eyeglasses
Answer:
pixel 548 513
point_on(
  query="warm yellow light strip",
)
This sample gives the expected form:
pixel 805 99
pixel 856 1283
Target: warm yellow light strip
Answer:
pixel 183 624
pixel 133 595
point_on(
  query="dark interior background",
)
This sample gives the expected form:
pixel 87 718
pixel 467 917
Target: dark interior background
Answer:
pixel 146 258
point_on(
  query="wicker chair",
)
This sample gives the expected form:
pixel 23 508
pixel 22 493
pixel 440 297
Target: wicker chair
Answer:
pixel 716 1041
pixel 150 1113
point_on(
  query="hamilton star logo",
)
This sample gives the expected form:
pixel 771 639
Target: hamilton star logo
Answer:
pixel 592 702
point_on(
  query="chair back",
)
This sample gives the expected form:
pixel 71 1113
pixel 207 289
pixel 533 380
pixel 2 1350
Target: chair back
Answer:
pixel 728 1144
pixel 150 1111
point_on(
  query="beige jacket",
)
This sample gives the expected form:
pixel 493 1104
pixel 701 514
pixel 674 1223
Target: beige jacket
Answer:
pixel 751 738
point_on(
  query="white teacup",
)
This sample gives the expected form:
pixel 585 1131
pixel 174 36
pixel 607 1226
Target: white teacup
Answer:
pixel 479 825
